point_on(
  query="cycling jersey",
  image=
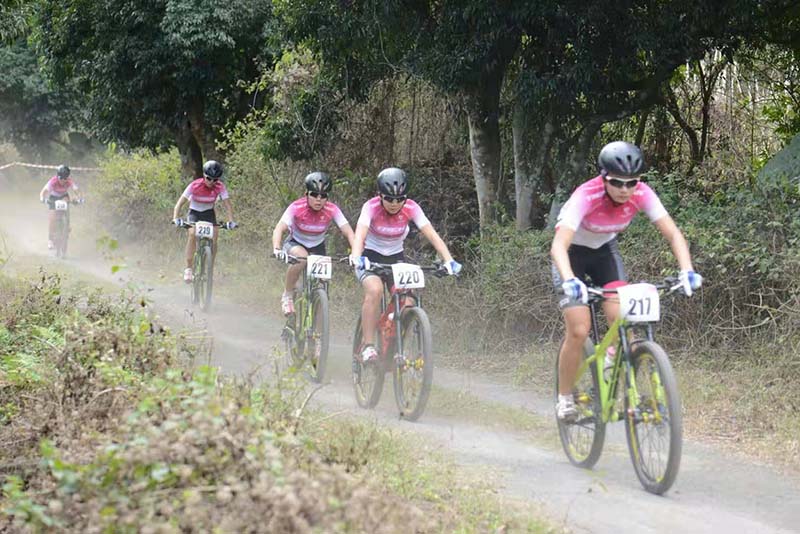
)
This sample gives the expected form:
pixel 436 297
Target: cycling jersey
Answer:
pixel 596 219
pixel 307 226
pixel 387 232
pixel 201 197
pixel 60 188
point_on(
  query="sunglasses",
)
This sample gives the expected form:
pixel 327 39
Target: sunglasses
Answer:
pixel 391 199
pixel 210 178
pixel 616 182
pixel 318 195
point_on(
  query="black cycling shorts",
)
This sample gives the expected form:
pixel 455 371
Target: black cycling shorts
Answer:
pixel 377 257
pixel 51 201
pixel 319 250
pixel 205 216
pixel 594 266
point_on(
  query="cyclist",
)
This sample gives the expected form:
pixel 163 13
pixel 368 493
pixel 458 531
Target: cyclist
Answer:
pixel 307 220
pixel 585 245
pixel 380 232
pixel 202 194
pixel 57 188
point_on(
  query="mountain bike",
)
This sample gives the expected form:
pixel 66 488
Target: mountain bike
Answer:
pixel 402 339
pixel 203 263
pixel 62 226
pixel 650 403
pixel 306 333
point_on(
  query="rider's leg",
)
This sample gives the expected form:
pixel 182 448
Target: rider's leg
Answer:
pixel 578 322
pixel 190 245
pixel 294 271
pixel 370 309
pixel 51 224
pixel 292 276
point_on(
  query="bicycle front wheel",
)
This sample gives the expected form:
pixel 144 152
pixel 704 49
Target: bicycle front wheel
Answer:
pixel 197 281
pixel 318 337
pixel 583 438
pixel 207 281
pixel 367 377
pixel 653 422
pixel 61 235
pixel 413 374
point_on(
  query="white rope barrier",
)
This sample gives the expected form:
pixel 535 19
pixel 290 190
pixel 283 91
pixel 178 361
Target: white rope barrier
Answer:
pixel 35 166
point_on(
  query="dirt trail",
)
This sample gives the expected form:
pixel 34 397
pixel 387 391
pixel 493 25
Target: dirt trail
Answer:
pixel 713 493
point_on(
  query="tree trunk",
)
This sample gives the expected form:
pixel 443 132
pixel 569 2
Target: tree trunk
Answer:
pixel 190 153
pixel 484 143
pixel 533 144
pixel 203 135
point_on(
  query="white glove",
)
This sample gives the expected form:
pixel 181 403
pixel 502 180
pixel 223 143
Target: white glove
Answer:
pixel 360 262
pixel 575 289
pixel 177 222
pixel 452 267
pixel 690 282
pixel 279 254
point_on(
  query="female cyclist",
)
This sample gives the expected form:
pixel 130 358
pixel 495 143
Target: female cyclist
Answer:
pixel 307 220
pixel 585 246
pixel 380 232
pixel 57 188
pixel 202 194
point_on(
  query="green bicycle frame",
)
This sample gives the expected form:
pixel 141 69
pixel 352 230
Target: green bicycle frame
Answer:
pixel 616 336
pixel 304 310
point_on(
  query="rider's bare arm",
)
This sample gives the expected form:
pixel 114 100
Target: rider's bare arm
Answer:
pixel 558 251
pixel 678 244
pixel 226 203
pixel 438 244
pixel 179 207
pixel 347 231
pixel 42 193
pixel 357 246
pixel 277 234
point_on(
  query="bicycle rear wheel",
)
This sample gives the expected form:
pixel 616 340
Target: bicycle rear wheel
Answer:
pixel 367 377
pixel 413 374
pixel 653 422
pixel 582 439
pixel 318 337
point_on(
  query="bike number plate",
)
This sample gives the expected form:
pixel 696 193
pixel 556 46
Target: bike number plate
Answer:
pixel 408 276
pixel 204 229
pixel 319 267
pixel 640 303
pixel 61 205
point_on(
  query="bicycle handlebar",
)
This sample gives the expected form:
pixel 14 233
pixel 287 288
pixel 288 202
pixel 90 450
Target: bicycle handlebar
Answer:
pixel 190 224
pixel 437 269
pixel 669 285
pixel 291 259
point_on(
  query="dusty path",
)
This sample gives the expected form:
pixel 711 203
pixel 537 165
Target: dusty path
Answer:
pixel 713 493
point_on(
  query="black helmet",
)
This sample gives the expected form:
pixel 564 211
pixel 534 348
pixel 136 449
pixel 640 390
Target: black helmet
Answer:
pixel 212 169
pixel 62 172
pixel 319 182
pixel 621 159
pixel 393 181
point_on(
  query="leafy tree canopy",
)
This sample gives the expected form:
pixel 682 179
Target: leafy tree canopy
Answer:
pixel 148 66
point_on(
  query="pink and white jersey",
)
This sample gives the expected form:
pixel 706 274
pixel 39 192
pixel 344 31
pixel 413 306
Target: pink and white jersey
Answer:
pixel 60 188
pixel 307 226
pixel 387 232
pixel 596 219
pixel 201 197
